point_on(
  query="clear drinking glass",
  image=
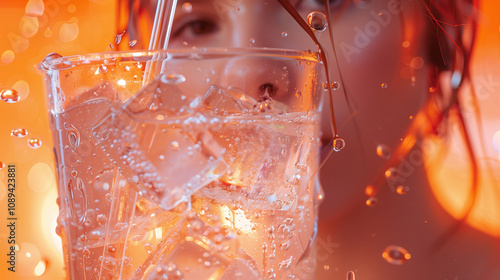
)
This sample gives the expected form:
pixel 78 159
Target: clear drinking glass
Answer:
pixel 204 172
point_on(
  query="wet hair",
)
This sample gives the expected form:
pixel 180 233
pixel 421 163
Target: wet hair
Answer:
pixel 455 26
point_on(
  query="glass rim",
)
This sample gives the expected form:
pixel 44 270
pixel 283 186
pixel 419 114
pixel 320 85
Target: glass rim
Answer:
pixel 68 62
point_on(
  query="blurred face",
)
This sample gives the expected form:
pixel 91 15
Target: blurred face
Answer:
pixel 380 62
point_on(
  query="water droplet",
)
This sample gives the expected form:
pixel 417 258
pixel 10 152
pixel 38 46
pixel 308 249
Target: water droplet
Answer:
pixel 172 79
pixel 402 189
pixel 2 165
pixel 118 38
pixel 391 172
pixel 73 137
pixel 284 34
pixel 103 69
pixel 252 40
pixel 34 143
pixel 335 85
pixel 396 255
pixel 383 151
pixel 101 219
pixel 383 85
pixel 325 86
pixel 317 21
pixel 19 132
pixel 350 275
pixel 132 43
pixel 187 8
pixel 432 89
pixel 338 144
pixel 46 61
pixel 372 201
pixel 326 267
pixel 10 96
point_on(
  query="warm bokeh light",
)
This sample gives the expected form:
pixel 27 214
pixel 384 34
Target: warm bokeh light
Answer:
pixel 8 56
pixel 22 87
pixel 32 29
pixel 40 177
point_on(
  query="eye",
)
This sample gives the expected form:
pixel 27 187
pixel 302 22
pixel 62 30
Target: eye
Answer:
pixel 193 29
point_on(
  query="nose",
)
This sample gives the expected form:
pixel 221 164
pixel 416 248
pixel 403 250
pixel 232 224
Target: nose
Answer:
pixel 260 78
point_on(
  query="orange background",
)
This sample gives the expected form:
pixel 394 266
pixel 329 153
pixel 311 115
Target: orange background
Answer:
pixel 80 26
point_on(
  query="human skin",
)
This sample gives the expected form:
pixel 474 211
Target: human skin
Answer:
pixel 370 39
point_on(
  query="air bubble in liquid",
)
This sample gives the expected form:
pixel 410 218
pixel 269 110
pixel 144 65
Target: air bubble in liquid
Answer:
pixel 74 137
pixel 350 275
pixel 317 21
pixel 284 34
pixel 34 143
pixel 172 79
pixel 175 145
pixel 383 151
pixel 396 255
pixel 338 144
pixel 19 132
pixel 10 96
pixel 101 219
pixel 383 85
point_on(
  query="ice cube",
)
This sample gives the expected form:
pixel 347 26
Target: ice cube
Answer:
pixel 167 161
pixel 221 101
pixel 103 90
pixel 160 96
pixel 269 157
pixel 202 252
